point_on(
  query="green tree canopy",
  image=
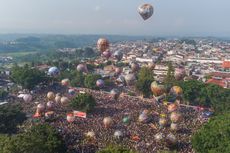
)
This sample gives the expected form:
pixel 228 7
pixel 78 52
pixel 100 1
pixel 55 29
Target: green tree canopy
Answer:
pixel 27 77
pixel 213 137
pixel 83 102
pixel 11 116
pixel 115 149
pixel 144 80
pixel 90 81
pixel 39 139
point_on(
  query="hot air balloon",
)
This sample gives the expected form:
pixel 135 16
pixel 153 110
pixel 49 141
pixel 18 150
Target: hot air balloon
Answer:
pixel 143 116
pixel 71 92
pixel 100 83
pixel 102 44
pixel 49 115
pixel 121 79
pixel 118 55
pixel 65 82
pixel 90 135
pixel 174 127
pixel 118 134
pixel 70 117
pixel 175 117
pixel 130 79
pixel 58 99
pixel 53 71
pixel 126 120
pixel 50 96
pixel 176 90
pixel 50 105
pixel 172 107
pixel 27 98
pixel 107 54
pixel 179 73
pixel 159 137
pixel 40 107
pixel 118 70
pixel 171 140
pixel 82 68
pixel 107 122
pixel 163 122
pixel 64 101
pixel 134 67
pixel 157 89
pixel 115 93
pixel 146 11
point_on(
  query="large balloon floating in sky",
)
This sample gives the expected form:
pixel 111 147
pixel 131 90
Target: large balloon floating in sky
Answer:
pixel 82 68
pixel 102 44
pixel 100 83
pixel 106 54
pixel 118 55
pixel 115 93
pixel 145 11
pixel 157 89
pixel 53 71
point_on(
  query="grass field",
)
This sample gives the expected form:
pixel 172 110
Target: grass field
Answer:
pixel 17 54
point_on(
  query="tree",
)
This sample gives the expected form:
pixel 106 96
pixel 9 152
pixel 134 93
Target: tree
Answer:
pixel 144 80
pixel 78 79
pixel 219 98
pixel 3 94
pixel 214 136
pixel 115 149
pixel 83 102
pixel 195 93
pixel 169 80
pixel 11 116
pixel 90 81
pixel 39 139
pixel 26 76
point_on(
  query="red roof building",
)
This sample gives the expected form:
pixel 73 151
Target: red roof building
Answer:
pixel 221 82
pixel 226 65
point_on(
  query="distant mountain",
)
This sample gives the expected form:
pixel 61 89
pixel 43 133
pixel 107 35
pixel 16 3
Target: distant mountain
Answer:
pixel 33 42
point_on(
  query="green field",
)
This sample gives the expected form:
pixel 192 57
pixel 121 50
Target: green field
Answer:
pixel 17 54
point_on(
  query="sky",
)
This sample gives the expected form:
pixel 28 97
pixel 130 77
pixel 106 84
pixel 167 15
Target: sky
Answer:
pixel 171 17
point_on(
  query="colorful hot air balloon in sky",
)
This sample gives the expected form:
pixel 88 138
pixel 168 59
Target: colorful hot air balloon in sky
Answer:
pixel 82 68
pixel 102 44
pixel 107 54
pixel 53 71
pixel 157 89
pixel 176 90
pixel 118 55
pixel 107 121
pixel 115 93
pixel 50 96
pixel 100 83
pixel 145 11
pixel 27 98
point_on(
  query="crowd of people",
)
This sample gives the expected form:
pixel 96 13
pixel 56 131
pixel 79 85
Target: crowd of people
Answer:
pixel 136 135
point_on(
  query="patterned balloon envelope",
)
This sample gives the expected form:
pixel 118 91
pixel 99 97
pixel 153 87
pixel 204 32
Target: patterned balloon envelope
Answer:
pixel 157 89
pixel 118 55
pixel 102 44
pixel 145 11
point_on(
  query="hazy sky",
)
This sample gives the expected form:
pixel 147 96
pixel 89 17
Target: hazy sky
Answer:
pixel 171 17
